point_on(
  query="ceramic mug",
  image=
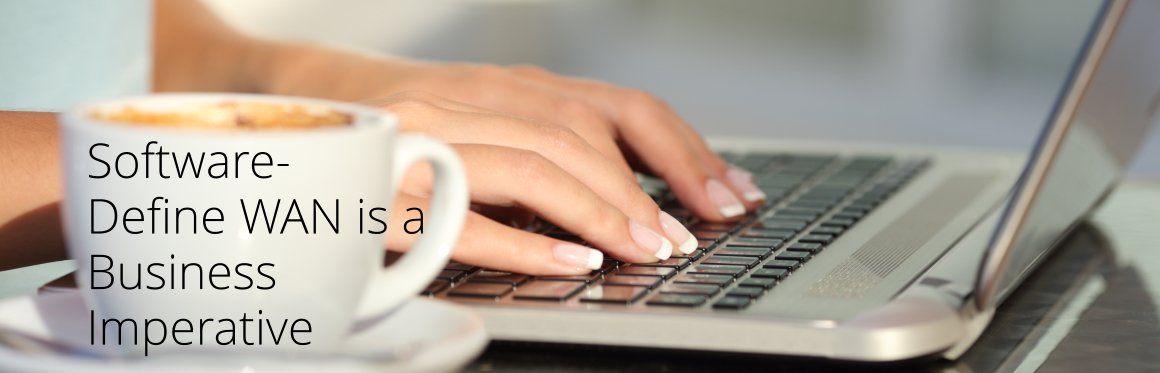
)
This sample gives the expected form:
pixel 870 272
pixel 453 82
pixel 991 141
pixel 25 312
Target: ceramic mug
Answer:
pixel 192 238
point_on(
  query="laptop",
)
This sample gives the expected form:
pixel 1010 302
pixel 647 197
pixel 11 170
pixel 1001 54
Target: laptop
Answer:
pixel 861 253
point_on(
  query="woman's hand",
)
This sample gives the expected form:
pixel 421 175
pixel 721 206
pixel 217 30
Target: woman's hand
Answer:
pixel 542 168
pixel 627 126
pixel 568 161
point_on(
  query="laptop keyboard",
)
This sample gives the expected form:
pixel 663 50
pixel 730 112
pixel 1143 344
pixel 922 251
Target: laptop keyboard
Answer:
pixel 812 200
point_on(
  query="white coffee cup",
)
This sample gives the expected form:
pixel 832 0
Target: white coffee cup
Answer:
pixel 330 280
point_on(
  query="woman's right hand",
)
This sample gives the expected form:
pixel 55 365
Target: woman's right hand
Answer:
pixel 515 164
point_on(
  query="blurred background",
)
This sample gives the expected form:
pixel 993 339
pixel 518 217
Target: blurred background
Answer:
pixel 943 72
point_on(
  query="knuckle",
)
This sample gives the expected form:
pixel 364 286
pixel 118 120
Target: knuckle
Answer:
pixel 410 105
pixel 638 97
pixel 416 94
pixel 560 136
pixel 646 110
pixel 529 167
pixel 608 219
pixel 578 109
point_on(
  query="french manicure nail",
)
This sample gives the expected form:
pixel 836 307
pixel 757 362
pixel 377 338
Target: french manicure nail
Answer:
pixel 721 196
pixel 651 241
pixel 578 256
pixel 674 229
pixel 743 180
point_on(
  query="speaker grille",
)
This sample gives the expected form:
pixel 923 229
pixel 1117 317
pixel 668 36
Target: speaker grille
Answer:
pixel 886 251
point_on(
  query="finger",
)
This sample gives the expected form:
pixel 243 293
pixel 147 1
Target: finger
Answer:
pixel 499 89
pixel 738 179
pixel 489 244
pixel 651 129
pixel 563 148
pixel 509 177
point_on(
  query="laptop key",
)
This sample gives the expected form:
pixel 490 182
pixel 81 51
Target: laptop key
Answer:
pixel 828 230
pixel 703 289
pixel 480 290
pixel 671 262
pixel 818 192
pixel 821 205
pixel 770 273
pixel 756 252
pixel 783 264
pixel 756 242
pixel 644 281
pixel 773 193
pixel 746 261
pixel 696 254
pixel 733 302
pixel 801 256
pixel 709 235
pixel 588 278
pixel 498 277
pixel 777 234
pixel 811 248
pixel 794 217
pixel 817 238
pixel 733 270
pixel 450 275
pixel 781 224
pixel 714 226
pixel 662 272
pixel 711 226
pixel 807 211
pixel 548 290
pixel 435 287
pixel 746 291
pixel 836 222
pixel 704 278
pixel 849 215
pixel 854 210
pixel 678 300
pixel 760 282
pixel 822 191
pixel 613 294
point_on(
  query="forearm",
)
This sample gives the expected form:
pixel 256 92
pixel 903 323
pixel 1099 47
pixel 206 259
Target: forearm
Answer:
pixel 302 69
pixel 196 51
pixel 30 190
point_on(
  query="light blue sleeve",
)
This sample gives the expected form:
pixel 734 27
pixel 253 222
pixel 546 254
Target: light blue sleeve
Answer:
pixel 55 53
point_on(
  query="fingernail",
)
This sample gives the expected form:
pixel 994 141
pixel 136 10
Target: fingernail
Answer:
pixel 651 241
pixel 578 256
pixel 721 196
pixel 674 229
pixel 743 180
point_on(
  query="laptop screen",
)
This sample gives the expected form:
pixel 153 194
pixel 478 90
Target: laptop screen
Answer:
pixel 1100 119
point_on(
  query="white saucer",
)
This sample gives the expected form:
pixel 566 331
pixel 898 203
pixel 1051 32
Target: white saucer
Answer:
pixel 423 335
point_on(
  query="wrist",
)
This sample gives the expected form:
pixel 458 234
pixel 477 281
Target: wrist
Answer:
pixel 302 69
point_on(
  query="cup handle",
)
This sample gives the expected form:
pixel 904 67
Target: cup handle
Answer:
pixel 411 274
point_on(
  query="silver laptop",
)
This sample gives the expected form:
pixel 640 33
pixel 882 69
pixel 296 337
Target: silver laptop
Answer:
pixel 862 253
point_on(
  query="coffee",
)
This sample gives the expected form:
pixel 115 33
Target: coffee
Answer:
pixel 230 115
